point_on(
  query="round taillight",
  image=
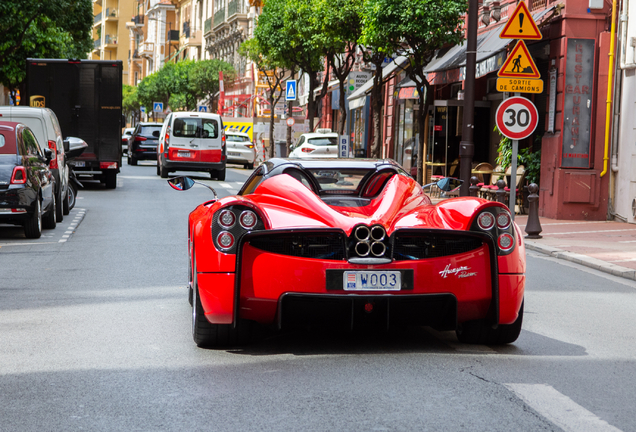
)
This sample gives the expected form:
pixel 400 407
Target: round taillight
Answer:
pixel 248 219
pixel 505 242
pixel 486 221
pixel 503 220
pixel 225 240
pixel 227 219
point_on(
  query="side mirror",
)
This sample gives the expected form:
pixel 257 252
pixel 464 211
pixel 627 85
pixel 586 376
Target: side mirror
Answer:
pixel 181 183
pixel 156 134
pixel 48 155
pixel 448 184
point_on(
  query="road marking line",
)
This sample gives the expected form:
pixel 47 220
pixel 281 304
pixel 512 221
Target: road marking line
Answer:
pixel 65 236
pixel 62 241
pixel 24 244
pixel 560 409
pixel 68 232
pixel 225 185
pixel 589 232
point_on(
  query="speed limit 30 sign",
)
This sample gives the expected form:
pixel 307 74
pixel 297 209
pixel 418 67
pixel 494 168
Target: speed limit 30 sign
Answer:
pixel 517 118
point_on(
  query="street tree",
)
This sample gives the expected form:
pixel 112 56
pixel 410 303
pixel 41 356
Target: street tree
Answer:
pixel 273 72
pixel 41 29
pixel 285 32
pixel 338 25
pixel 130 103
pixel 415 29
pixel 203 78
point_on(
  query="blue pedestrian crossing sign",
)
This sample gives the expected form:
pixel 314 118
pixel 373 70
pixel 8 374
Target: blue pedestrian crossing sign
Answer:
pixel 157 106
pixel 202 108
pixel 290 92
pixel 142 109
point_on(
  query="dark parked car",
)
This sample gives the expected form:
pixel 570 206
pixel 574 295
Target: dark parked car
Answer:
pixel 142 145
pixel 27 185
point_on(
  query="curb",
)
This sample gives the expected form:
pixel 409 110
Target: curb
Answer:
pixel 584 260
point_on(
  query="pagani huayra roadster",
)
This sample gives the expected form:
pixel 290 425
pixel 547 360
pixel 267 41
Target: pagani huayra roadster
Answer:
pixel 351 243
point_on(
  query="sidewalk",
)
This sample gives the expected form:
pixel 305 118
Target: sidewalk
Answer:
pixel 606 246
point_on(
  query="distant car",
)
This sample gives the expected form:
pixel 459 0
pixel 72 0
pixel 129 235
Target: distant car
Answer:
pixel 126 136
pixel 27 186
pixel 240 150
pixel 44 124
pixel 142 144
pixel 192 141
pixel 321 144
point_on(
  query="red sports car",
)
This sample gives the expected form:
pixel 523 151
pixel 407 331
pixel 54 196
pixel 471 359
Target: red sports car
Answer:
pixel 351 243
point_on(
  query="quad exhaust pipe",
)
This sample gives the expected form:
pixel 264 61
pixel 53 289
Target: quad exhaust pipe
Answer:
pixel 370 240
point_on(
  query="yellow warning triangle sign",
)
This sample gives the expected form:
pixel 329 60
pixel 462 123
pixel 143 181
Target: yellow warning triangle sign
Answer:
pixel 519 64
pixel 521 25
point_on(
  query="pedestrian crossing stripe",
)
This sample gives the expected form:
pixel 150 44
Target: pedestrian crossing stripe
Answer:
pixel 519 64
pixel 521 25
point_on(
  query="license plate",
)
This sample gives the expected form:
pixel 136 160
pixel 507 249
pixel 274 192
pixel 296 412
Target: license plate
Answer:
pixel 372 280
pixel 79 164
pixel 183 154
pixel 233 154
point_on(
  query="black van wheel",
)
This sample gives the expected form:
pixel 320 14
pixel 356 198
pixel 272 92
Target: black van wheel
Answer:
pixel 163 172
pixel 220 174
pixel 66 208
pixel 110 179
pixel 59 213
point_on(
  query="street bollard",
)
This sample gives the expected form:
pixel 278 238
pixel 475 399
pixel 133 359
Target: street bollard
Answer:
pixel 473 190
pixel 501 192
pixel 533 226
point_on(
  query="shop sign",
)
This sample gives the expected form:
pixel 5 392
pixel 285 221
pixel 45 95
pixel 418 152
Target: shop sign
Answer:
pixel 408 93
pixel 552 102
pixel 491 64
pixel 519 85
pixel 577 103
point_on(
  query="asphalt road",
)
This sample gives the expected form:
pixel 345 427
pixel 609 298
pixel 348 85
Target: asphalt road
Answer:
pixel 95 335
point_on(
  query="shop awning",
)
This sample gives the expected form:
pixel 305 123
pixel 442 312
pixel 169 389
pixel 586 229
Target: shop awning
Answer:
pixel 490 54
pixel 366 88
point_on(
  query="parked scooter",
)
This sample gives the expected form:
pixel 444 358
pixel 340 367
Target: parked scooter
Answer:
pixel 73 147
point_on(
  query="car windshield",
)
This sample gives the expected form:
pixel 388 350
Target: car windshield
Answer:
pixel 339 181
pixel 323 141
pixel 236 138
pixel 148 130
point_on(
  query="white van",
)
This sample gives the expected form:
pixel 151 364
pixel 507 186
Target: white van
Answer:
pixel 43 122
pixel 192 141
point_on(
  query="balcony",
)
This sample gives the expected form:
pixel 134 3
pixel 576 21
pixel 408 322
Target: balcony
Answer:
pixel 97 18
pixel 219 17
pixel 207 26
pixel 111 14
pixel 138 20
pixel 186 29
pixel 146 49
pixel 97 43
pixel 235 7
pixel 110 39
pixel 194 39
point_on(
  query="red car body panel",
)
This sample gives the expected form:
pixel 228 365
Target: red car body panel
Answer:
pixel 283 203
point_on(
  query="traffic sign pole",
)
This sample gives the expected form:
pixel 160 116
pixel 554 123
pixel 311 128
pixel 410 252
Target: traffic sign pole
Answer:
pixel 513 178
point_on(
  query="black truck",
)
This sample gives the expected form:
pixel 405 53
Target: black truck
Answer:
pixel 86 97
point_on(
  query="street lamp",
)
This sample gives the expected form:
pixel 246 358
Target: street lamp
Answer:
pixel 466 146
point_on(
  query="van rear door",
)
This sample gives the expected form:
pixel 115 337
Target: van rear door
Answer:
pixel 196 139
pixel 210 140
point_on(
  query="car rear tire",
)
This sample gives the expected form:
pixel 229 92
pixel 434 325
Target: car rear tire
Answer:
pixel 132 160
pixel 210 335
pixel 59 214
pixel 249 165
pixel 220 174
pixel 480 332
pixel 110 179
pixel 48 221
pixel 163 172
pixel 33 226
pixel 72 197
pixel 66 208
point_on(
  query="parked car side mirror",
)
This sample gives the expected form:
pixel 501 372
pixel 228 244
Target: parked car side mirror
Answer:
pixel 181 183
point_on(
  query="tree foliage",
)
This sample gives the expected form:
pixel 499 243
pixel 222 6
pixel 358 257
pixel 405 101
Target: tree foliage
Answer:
pixel 415 29
pixel 42 29
pixel 184 84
